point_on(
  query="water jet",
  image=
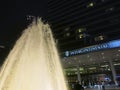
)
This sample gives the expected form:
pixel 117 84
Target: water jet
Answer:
pixel 33 63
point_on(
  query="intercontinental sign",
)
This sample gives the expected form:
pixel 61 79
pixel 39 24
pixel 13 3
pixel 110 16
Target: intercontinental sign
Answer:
pixel 108 45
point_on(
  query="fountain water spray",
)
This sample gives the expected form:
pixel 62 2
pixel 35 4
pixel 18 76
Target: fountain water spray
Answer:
pixel 33 63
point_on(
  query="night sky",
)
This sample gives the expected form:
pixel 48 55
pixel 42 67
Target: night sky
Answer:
pixel 13 20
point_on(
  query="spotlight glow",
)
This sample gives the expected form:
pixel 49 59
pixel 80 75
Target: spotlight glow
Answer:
pixel 33 63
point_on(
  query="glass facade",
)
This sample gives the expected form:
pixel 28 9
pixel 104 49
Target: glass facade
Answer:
pixel 99 18
pixel 93 73
pixel 78 26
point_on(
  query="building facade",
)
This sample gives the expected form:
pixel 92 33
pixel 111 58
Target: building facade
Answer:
pixel 82 23
pixel 78 24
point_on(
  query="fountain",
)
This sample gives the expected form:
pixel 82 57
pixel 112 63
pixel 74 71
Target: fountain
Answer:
pixel 33 63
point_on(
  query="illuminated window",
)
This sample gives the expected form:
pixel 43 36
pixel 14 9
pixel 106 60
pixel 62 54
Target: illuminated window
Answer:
pixel 81 36
pixel 104 65
pixel 80 30
pixel 91 4
pixel 109 9
pixel 99 38
pixel 67 34
pixel 117 64
pixel 81 69
pixel 81 33
pixel 92 68
pixel 67 29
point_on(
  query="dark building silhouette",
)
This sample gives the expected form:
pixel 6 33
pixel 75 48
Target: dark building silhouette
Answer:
pixel 81 23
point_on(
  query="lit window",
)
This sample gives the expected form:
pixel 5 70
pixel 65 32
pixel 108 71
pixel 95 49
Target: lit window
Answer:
pixel 104 65
pixel 92 68
pixel 117 64
pixel 91 4
pixel 81 36
pixel 109 9
pixel 67 29
pixel 80 30
pixel 81 69
pixel 67 34
pixel 99 38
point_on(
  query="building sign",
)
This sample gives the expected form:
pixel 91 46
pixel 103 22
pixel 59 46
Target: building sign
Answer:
pixel 110 44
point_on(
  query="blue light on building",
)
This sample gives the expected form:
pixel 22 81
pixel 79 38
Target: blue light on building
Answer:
pixel 114 44
pixel 108 45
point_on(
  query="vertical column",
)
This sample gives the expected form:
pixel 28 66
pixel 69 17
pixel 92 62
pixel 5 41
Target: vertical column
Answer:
pixel 78 74
pixel 113 71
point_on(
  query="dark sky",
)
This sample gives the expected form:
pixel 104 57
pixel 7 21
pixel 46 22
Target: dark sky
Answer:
pixel 13 19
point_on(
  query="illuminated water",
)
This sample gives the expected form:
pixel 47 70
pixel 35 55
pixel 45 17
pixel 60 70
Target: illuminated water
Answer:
pixel 33 63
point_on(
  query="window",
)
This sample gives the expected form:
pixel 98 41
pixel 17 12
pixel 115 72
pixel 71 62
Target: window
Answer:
pixel 99 38
pixel 110 9
pixel 80 30
pixel 91 4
